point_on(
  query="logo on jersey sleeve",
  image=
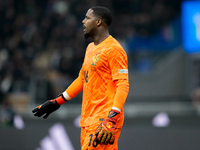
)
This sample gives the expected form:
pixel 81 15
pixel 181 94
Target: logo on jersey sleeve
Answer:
pixel 123 71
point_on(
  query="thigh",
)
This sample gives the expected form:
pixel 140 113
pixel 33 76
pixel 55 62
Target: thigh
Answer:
pixel 89 140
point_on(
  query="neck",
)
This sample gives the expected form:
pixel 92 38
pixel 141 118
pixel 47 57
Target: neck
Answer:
pixel 100 37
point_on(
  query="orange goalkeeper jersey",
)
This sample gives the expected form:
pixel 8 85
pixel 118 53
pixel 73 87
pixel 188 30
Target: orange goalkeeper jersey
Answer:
pixel 102 64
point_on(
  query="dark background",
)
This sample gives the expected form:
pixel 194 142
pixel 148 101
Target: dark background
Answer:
pixel 42 50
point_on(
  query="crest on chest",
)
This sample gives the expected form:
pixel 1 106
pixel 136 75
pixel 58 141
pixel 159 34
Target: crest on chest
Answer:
pixel 95 59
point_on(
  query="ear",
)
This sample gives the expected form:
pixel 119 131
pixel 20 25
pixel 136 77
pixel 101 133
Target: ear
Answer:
pixel 99 22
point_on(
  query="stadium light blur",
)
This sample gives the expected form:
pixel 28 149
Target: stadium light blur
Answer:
pixel 190 15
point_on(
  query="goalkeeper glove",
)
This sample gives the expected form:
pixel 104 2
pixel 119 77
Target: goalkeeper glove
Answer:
pixel 106 130
pixel 49 106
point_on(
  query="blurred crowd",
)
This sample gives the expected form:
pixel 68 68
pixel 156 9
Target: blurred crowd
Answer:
pixel 42 40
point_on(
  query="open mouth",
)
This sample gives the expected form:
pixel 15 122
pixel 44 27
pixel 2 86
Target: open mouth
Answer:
pixel 84 28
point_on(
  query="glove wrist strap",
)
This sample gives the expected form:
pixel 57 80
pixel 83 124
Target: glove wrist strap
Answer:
pixel 113 115
pixel 61 100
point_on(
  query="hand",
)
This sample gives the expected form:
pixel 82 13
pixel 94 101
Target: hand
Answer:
pixel 106 130
pixel 48 107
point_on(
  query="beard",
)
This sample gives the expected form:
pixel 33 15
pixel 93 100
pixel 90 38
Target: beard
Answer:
pixel 86 35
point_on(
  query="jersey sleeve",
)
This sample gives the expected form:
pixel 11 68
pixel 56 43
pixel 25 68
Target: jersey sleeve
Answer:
pixel 121 93
pixel 118 63
pixel 77 85
pixel 81 74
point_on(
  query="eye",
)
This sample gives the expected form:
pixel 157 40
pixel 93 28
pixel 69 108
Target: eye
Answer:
pixel 87 17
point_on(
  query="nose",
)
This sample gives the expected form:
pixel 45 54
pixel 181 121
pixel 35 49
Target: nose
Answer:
pixel 83 21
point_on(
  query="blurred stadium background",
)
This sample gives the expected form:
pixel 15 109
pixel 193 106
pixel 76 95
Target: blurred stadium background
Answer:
pixel 41 52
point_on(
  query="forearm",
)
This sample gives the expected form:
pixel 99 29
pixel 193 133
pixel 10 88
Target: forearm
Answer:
pixel 121 94
pixel 74 89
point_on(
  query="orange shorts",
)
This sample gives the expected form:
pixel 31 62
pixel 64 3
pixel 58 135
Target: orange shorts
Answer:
pixel 89 141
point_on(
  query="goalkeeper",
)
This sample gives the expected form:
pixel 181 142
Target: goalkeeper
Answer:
pixel 103 79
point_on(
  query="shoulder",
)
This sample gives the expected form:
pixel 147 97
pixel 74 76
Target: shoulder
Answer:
pixel 114 43
pixel 115 47
pixel 90 45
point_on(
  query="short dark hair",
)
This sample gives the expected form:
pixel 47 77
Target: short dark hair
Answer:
pixel 104 13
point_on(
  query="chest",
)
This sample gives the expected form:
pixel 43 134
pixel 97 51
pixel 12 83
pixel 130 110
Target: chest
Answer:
pixel 96 59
